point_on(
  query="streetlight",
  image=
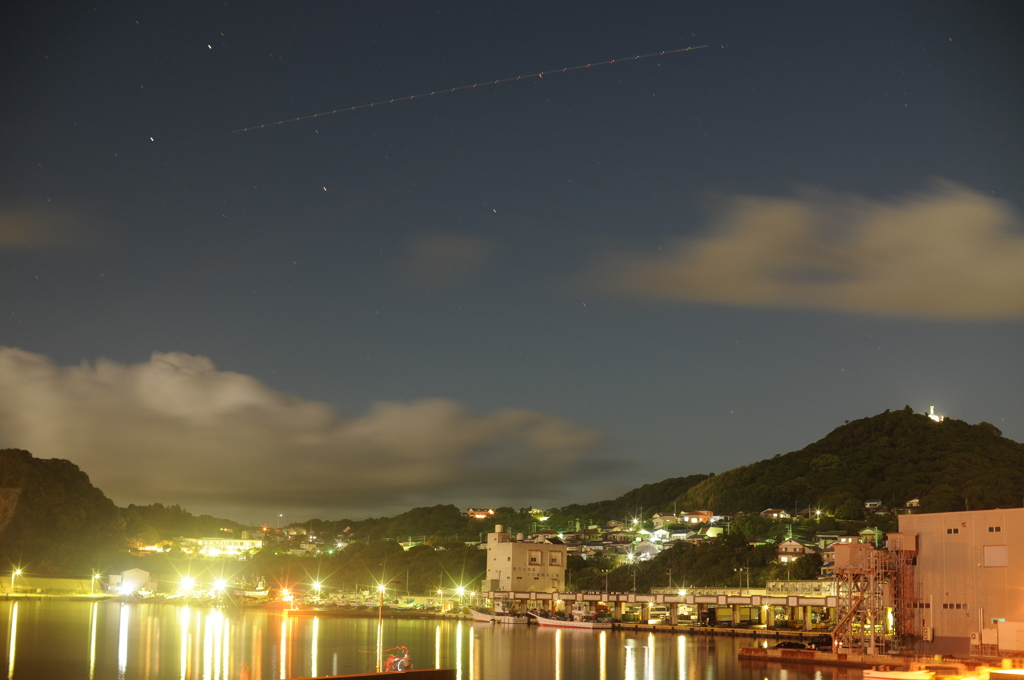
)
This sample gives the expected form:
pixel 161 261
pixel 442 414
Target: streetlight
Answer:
pixel 16 572
pixel 741 571
pixel 380 624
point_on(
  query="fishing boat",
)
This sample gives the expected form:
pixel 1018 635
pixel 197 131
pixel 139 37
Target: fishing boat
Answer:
pixel 886 674
pixel 577 621
pixel 498 617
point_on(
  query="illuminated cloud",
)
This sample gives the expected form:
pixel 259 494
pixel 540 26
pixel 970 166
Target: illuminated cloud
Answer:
pixel 950 253
pixel 27 227
pixel 444 259
pixel 177 430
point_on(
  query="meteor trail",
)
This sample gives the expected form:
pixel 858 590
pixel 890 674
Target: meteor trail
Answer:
pixel 468 87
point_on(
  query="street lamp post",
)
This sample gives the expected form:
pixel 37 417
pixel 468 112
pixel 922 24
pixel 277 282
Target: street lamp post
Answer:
pixel 741 571
pixel 380 624
pixel 16 572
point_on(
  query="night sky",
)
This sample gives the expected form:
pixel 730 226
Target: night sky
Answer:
pixel 540 292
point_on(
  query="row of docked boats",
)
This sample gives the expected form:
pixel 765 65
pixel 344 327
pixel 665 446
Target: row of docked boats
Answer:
pixel 576 618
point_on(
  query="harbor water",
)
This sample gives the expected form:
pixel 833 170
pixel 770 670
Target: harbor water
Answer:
pixel 51 640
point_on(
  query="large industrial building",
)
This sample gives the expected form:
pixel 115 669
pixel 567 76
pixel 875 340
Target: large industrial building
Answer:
pixel 968 581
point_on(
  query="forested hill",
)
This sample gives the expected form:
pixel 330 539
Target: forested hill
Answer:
pixel 645 499
pixel 51 516
pixel 894 457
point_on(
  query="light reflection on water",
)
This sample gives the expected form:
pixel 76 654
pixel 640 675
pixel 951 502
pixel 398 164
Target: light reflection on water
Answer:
pixel 12 639
pixel 51 639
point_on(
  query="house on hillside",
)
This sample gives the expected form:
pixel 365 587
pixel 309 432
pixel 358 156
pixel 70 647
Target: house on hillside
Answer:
pixel 791 550
pixel 872 536
pixel 617 537
pixel 664 519
pixel 824 540
pixel 773 513
pixel 696 517
pixel 910 507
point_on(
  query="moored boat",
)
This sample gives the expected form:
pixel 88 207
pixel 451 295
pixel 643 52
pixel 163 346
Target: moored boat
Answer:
pixel 571 623
pixel 497 617
pixel 886 674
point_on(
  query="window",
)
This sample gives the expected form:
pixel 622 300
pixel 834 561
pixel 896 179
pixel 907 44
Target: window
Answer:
pixel 952 531
pixel 992 530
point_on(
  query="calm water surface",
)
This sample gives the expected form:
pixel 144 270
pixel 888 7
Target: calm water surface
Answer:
pixel 46 640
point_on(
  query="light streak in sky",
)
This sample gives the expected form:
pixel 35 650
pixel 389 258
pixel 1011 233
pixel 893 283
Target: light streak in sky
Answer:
pixel 527 76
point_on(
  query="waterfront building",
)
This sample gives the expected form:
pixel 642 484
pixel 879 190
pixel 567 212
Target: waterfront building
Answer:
pixel 536 564
pixel 968 581
pixel 212 547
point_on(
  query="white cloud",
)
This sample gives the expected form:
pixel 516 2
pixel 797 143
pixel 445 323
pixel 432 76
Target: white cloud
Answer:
pixel 950 253
pixel 177 430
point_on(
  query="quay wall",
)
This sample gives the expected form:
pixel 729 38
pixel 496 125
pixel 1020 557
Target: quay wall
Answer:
pixel 425 674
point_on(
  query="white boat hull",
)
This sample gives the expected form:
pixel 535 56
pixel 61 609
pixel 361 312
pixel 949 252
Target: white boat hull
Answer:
pixel 556 623
pixel 484 617
pixel 873 674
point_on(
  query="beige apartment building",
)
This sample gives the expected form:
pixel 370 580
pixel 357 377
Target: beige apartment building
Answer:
pixel 522 565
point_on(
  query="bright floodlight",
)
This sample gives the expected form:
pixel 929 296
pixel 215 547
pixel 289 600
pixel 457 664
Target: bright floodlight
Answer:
pixel 460 590
pixel 220 584
pixel 382 587
pixel 187 583
pixel 316 586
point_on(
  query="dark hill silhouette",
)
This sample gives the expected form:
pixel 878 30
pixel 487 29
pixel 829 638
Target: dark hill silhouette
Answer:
pixel 894 457
pixel 52 519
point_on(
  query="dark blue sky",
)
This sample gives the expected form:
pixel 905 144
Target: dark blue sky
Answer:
pixel 538 292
